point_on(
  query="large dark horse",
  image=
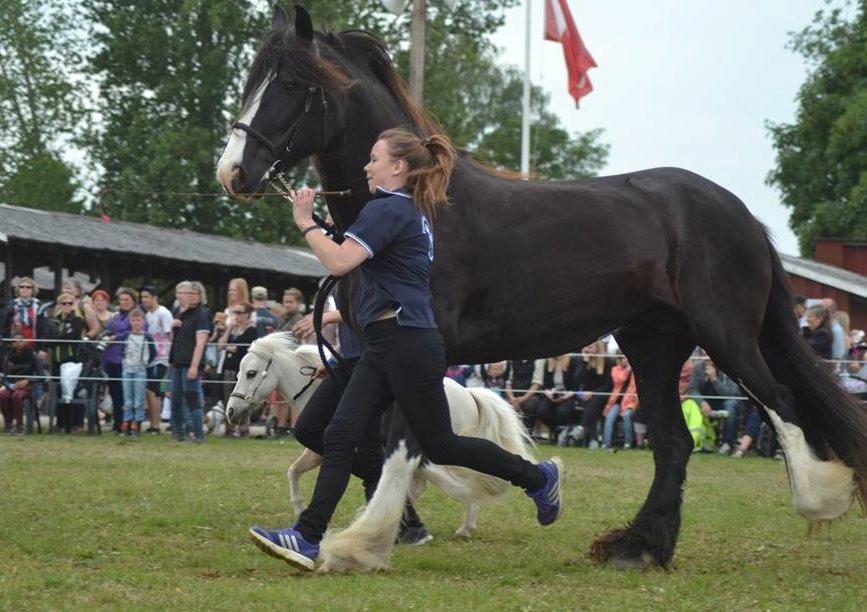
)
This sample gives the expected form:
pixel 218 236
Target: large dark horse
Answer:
pixel 664 258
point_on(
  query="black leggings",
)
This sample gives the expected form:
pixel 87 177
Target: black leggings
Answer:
pixel 406 364
pixel 367 460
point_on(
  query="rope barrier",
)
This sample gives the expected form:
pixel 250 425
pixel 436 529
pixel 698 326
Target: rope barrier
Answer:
pixel 243 344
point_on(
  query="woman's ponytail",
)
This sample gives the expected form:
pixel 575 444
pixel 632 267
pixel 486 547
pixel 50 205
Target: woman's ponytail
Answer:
pixel 430 160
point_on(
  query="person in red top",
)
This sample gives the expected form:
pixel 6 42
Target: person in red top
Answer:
pixel 623 402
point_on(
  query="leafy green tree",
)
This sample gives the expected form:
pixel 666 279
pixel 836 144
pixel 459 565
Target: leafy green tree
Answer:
pixel 39 105
pixel 822 156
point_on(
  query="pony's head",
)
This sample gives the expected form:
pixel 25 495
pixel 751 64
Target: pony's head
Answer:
pixel 273 362
pixel 257 378
pixel 291 107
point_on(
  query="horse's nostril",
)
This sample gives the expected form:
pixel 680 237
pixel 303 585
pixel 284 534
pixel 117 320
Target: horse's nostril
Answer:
pixel 238 178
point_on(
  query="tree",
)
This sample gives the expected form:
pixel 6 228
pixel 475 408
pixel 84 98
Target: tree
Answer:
pixel 822 157
pixel 40 106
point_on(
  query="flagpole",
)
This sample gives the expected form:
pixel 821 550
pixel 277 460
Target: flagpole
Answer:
pixel 525 120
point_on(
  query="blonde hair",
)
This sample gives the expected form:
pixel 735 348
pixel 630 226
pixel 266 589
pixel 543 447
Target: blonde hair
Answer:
pixel 242 287
pixel 843 319
pixel 200 289
pixel 62 296
pixel 430 161
pixel 27 279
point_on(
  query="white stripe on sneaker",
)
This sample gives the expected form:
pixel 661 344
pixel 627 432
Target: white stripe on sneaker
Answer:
pixel 294 542
pixel 282 537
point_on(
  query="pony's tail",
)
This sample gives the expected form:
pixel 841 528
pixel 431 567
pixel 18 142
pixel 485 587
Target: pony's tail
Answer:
pixel 833 421
pixel 367 543
pixel 499 422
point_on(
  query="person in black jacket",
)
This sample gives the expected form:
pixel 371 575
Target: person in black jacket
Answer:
pixel 594 387
pixel 68 328
pixel 820 337
pixel 20 369
pixel 557 406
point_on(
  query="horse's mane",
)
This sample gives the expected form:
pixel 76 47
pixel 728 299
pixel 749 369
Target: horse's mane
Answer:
pixel 281 52
pixel 278 341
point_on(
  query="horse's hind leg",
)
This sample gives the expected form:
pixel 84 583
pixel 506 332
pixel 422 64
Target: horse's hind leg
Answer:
pixel 656 358
pixel 469 526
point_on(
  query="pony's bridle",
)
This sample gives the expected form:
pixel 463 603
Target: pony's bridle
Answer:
pixel 248 398
pixel 278 155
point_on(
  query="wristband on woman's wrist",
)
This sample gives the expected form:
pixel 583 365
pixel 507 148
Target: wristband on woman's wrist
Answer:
pixel 309 229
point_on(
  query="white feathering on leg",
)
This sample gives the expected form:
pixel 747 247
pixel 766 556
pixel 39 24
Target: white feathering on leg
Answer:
pixel 367 543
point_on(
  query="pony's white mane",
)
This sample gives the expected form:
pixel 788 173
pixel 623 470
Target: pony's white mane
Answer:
pixel 282 344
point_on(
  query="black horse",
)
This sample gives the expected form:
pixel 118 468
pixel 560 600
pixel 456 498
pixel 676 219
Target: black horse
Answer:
pixel 664 258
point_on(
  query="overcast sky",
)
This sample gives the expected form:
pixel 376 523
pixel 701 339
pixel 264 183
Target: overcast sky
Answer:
pixel 686 83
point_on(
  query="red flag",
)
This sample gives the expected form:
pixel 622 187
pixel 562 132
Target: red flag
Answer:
pixel 560 27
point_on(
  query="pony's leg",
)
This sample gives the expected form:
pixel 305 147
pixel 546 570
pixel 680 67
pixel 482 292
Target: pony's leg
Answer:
pixel 657 359
pixel 466 530
pixel 306 462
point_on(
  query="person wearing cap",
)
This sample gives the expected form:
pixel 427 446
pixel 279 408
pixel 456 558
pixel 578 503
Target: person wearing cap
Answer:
pixel 266 322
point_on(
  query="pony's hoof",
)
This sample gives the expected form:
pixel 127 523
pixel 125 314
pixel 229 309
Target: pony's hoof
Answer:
pixel 464 532
pixel 623 550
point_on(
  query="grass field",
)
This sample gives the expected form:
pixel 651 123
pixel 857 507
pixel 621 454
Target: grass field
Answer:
pixel 105 523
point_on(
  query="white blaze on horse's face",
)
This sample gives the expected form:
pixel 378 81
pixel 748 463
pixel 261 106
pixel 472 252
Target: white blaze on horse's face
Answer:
pixel 233 155
pixel 254 385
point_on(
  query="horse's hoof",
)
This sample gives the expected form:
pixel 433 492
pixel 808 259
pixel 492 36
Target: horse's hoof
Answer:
pixel 463 532
pixel 623 550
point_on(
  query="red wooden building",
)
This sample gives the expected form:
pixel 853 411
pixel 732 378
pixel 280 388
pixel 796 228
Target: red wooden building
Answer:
pixel 838 270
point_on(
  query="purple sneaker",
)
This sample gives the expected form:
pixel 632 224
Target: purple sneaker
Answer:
pixel 548 498
pixel 287 544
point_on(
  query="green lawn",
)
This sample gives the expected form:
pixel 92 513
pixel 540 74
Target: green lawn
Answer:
pixel 105 523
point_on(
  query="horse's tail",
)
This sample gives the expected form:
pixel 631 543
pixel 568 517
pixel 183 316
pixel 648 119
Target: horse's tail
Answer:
pixel 832 419
pixel 499 423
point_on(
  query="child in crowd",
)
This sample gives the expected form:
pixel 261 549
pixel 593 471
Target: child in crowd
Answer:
pixel 139 350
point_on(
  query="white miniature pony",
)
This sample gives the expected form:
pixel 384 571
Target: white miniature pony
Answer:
pixel 276 361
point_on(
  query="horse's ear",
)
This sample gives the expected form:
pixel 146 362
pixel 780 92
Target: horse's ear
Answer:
pixel 303 24
pixel 279 20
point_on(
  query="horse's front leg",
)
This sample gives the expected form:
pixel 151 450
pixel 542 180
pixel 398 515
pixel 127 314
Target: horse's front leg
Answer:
pixel 466 530
pixel 306 462
pixel 656 359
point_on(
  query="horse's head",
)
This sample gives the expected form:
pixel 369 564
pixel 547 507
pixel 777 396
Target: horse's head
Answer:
pixel 257 378
pixel 291 107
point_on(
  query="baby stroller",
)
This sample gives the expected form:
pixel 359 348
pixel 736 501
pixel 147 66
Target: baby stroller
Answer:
pixel 73 408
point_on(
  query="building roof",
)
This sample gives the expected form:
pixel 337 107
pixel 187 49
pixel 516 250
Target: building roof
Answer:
pixel 85 232
pixel 831 276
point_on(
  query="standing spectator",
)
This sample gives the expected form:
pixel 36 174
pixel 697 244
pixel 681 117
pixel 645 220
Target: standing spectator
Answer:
pixel 838 346
pixel 28 317
pixel 20 367
pixel 100 300
pixel 185 358
pixel 159 326
pixel 235 341
pixel 820 336
pixel 524 381
pixel 594 387
pixel 292 301
pixel 266 322
pixel 800 310
pixel 82 307
pixel 238 293
pixel 139 350
pixel 118 328
pixel 69 328
pixel 707 380
pixel 557 408
pixel 622 402
pixel 460 373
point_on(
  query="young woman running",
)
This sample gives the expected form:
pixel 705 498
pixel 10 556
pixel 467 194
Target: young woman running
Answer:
pixel 404 358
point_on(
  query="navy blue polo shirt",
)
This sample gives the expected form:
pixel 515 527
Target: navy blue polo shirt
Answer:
pixel 399 242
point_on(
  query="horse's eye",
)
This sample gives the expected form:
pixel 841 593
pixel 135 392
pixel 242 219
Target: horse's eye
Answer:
pixel 251 373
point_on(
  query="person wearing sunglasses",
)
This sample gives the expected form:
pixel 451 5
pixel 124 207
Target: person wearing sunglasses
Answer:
pixel 68 328
pixel 26 315
pixel 235 340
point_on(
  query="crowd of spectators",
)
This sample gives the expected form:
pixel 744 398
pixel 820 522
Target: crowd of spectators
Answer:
pixel 138 361
pixel 143 362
